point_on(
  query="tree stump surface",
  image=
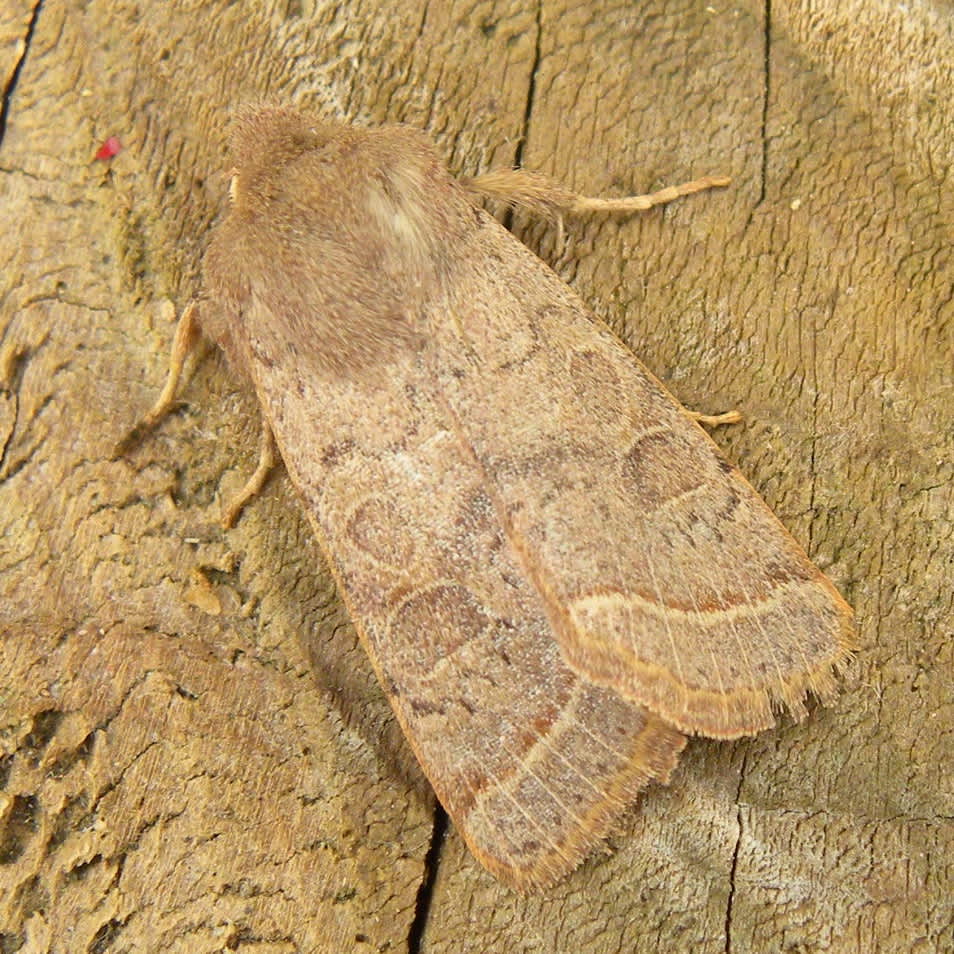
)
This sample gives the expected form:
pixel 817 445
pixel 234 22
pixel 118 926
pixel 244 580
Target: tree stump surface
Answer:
pixel 194 753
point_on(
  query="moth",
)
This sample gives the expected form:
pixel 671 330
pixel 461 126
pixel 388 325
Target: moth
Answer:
pixel 555 573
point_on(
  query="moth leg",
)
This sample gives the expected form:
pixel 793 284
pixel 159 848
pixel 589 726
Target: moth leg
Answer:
pixel 266 461
pixel 528 190
pixel 715 420
pixel 184 341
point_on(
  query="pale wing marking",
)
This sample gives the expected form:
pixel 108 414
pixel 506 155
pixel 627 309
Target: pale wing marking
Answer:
pixel 601 601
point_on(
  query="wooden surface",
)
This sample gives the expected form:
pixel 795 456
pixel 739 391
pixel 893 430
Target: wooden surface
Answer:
pixel 194 755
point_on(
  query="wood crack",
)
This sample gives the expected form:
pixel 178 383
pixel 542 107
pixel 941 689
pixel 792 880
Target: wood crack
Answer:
pixel 528 108
pixel 766 93
pixel 425 893
pixel 733 868
pixel 11 85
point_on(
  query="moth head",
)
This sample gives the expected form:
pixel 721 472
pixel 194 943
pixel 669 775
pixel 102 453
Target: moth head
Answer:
pixel 265 139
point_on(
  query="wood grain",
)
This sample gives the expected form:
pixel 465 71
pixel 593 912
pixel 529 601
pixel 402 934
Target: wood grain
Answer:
pixel 277 807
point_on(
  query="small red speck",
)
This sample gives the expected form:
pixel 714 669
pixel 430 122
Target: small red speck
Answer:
pixel 111 147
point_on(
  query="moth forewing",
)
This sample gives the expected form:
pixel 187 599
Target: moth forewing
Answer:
pixel 666 576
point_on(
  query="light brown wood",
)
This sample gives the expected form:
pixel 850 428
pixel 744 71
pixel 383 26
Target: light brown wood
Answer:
pixel 204 768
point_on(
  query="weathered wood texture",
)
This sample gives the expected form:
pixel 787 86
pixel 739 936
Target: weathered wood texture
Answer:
pixel 195 756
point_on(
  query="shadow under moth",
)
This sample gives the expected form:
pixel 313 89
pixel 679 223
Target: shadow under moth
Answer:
pixel 556 575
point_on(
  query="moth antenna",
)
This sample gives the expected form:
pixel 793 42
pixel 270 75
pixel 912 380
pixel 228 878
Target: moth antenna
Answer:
pixel 639 203
pixel 534 192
